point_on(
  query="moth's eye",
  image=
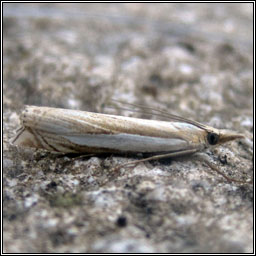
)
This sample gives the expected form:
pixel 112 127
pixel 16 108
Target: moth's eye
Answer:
pixel 212 138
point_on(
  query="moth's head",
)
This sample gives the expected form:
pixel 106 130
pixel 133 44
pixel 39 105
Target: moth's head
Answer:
pixel 216 137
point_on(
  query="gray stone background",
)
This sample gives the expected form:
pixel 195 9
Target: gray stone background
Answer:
pixel 194 60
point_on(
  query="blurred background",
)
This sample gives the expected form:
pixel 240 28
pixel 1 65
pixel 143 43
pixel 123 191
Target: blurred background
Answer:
pixel 193 59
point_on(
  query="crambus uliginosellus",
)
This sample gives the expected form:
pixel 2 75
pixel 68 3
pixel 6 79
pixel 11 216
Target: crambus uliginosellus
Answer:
pixel 72 131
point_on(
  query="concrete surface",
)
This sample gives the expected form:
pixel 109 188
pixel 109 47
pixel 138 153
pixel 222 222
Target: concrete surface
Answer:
pixel 194 60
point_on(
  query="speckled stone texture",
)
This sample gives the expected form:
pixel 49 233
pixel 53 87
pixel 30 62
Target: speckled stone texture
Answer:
pixel 194 60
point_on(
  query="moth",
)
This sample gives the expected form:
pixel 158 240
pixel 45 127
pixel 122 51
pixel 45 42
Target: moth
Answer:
pixel 73 131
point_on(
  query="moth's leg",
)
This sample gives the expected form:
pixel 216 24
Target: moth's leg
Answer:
pixel 76 156
pixel 206 159
pixel 198 156
pixel 156 157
